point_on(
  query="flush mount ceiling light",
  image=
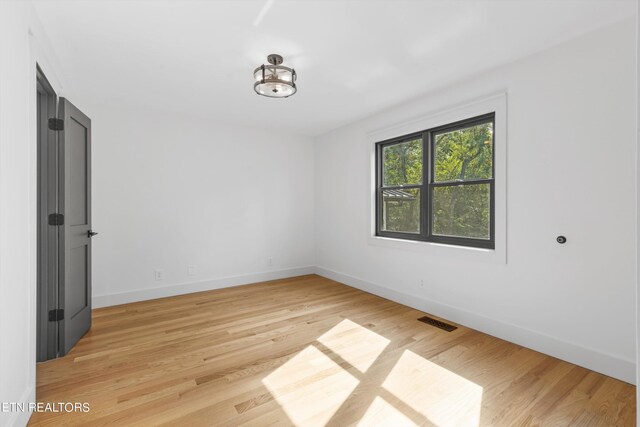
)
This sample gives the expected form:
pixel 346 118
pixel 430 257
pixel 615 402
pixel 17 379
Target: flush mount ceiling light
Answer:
pixel 275 80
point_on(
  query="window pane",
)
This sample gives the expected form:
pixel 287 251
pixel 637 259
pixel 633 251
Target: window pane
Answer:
pixel 401 210
pixel 402 163
pixel 464 154
pixel 462 211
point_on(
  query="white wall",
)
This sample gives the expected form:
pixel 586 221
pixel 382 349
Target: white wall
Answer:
pixel 22 43
pixel 571 171
pixel 17 326
pixel 171 191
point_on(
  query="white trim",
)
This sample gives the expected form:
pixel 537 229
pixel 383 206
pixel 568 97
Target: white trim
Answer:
pixel 589 358
pixel 187 288
pixel 20 418
pixel 494 103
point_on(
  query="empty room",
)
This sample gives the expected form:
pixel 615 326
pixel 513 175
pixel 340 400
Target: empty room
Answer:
pixel 319 213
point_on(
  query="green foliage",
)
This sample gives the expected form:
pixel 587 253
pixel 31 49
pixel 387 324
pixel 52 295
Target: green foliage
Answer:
pixel 402 212
pixel 462 211
pixel 403 163
pixel 458 210
pixel 461 155
pixel 464 154
pixel 402 166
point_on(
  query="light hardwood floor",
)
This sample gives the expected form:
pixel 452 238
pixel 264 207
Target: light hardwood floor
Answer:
pixel 310 351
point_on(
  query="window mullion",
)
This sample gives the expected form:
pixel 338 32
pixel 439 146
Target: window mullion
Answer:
pixel 426 184
pixel 465 182
pixel 461 183
pixel 401 187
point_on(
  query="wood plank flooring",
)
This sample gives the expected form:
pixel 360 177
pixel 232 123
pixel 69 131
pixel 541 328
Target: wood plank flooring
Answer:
pixel 309 351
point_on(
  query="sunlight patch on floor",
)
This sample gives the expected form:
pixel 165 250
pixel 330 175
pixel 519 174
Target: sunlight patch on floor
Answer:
pixel 382 413
pixel 354 343
pixel 443 397
pixel 313 385
pixel 310 387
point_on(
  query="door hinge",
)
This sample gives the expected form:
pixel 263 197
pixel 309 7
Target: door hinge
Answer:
pixel 56 124
pixel 56 315
pixel 56 219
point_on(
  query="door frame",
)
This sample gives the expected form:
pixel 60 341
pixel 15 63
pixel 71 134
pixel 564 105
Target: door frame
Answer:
pixel 47 344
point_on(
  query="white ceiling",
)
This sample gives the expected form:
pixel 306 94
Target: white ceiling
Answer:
pixel 353 58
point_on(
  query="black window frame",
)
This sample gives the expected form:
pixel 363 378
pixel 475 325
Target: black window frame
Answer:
pixel 428 184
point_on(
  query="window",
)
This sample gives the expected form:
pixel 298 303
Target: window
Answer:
pixel 438 185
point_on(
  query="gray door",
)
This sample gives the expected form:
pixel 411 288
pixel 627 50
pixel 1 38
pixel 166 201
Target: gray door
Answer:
pixel 75 239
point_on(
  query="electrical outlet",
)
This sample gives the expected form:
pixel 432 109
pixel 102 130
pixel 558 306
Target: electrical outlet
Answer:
pixel 270 262
pixel 191 270
pixel 422 283
pixel 159 275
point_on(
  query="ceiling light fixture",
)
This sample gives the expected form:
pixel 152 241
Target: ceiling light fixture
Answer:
pixel 275 80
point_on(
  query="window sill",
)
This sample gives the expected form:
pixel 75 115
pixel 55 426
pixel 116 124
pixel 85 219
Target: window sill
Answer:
pixel 467 253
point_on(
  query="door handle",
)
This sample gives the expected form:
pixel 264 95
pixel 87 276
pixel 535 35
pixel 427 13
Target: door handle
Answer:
pixel 91 233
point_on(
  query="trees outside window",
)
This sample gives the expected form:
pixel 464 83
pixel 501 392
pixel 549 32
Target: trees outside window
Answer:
pixel 438 185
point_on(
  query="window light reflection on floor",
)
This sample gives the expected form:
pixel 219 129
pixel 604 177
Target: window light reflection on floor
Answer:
pixel 356 344
pixel 382 413
pixel 441 396
pixel 312 386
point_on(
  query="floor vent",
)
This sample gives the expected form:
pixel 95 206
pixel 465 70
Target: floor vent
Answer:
pixel 438 324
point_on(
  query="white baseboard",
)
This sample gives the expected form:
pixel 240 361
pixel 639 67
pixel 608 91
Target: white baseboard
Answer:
pixel 19 418
pixel 607 364
pixel 187 288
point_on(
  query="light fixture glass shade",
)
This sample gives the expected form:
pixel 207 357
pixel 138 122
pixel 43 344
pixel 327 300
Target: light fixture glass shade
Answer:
pixel 275 80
